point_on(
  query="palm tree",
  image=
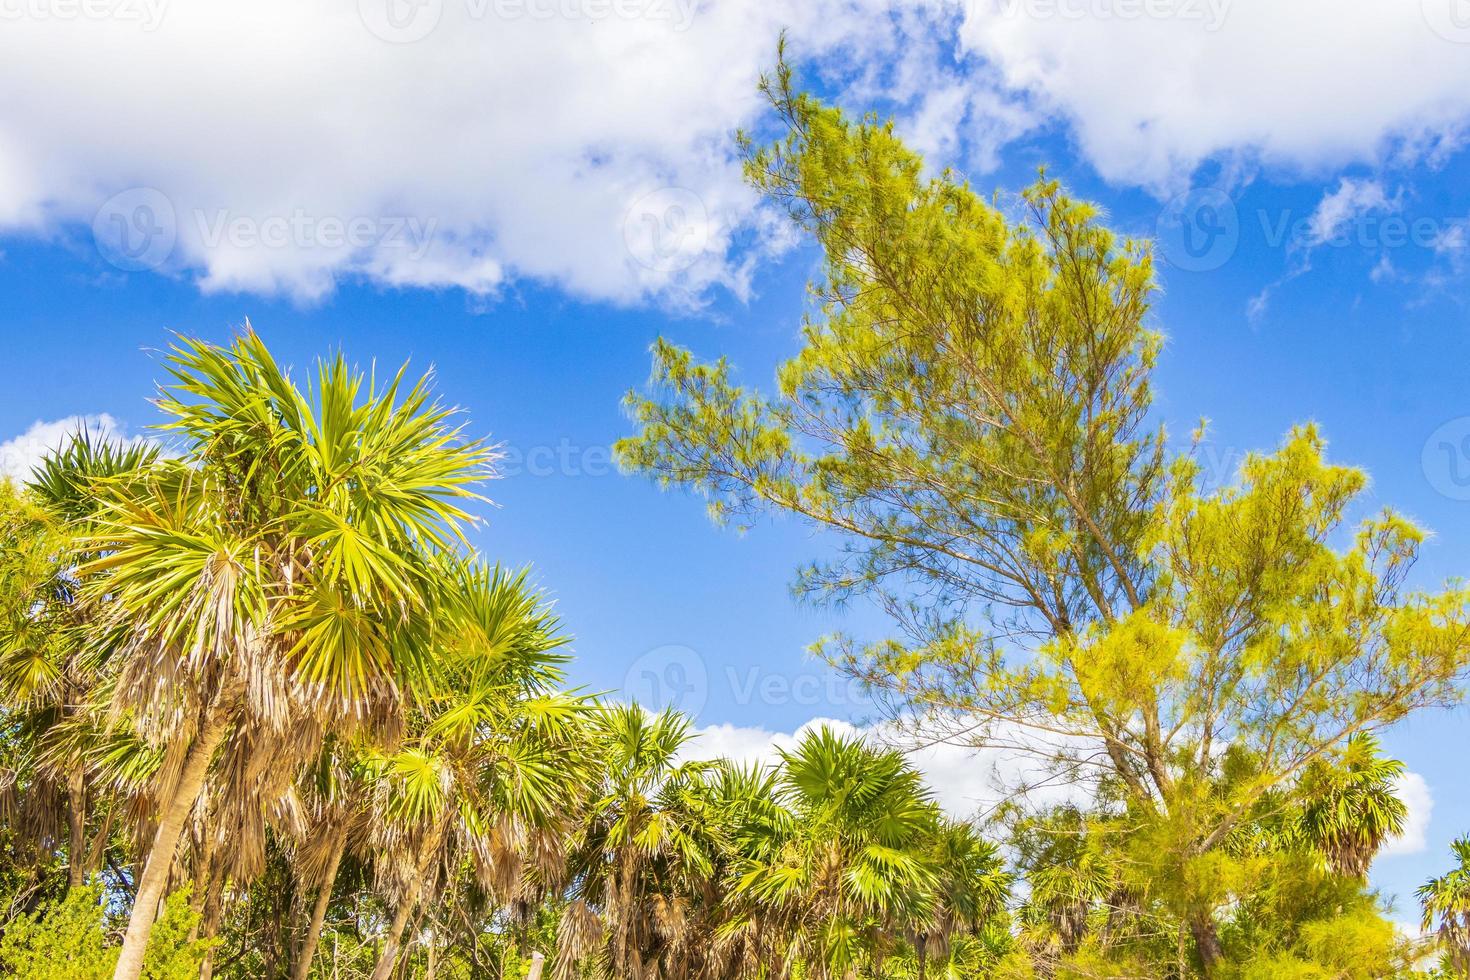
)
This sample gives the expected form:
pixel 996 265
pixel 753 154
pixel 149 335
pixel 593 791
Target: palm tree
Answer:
pixel 972 889
pixel 1350 808
pixel 850 872
pixel 45 668
pixel 64 485
pixel 335 798
pixel 641 853
pixel 1446 904
pixel 276 582
pixel 491 765
pixel 34 674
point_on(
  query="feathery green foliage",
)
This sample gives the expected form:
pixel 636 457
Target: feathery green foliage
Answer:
pixel 970 413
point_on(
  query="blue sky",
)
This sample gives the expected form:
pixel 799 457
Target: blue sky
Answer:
pixel 526 202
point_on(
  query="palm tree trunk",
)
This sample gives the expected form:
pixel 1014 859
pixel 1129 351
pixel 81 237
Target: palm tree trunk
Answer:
pixel 537 963
pixel 154 878
pixel 202 881
pixel 213 914
pixel 388 958
pixel 319 911
pixel 76 793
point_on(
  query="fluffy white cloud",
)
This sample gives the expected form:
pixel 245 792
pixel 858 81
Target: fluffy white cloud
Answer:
pixel 281 145
pixel 965 781
pixel 1155 87
pixel 1414 791
pixel 19 456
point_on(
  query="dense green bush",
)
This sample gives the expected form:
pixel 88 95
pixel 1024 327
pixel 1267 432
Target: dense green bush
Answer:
pixel 72 939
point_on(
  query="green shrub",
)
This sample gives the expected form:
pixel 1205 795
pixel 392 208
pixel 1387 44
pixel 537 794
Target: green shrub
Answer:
pixel 69 940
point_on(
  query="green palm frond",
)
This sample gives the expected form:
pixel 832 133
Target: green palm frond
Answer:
pixel 1350 806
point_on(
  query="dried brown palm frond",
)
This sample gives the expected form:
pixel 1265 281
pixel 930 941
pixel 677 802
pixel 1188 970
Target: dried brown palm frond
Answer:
pixel 671 920
pixel 579 933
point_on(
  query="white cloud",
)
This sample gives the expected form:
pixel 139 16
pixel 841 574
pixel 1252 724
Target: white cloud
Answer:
pixel 1155 88
pixel 20 455
pixel 1384 271
pixel 965 781
pixel 1414 791
pixel 282 145
pixel 968 781
pixel 1257 305
pixel 1331 223
pixel 1338 209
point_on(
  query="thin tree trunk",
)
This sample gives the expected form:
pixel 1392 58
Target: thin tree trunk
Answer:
pixel 213 914
pixel 319 911
pixel 154 879
pixel 388 958
pixel 537 963
pixel 415 928
pixel 1206 942
pixel 76 793
pixel 201 880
